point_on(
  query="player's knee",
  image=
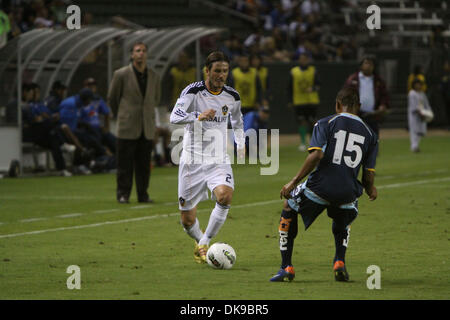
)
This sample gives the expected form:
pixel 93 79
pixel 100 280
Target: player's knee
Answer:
pixel 187 218
pixel 286 206
pixel 224 197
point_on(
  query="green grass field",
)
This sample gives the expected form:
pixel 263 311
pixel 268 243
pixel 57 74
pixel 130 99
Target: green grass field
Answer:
pixel 141 252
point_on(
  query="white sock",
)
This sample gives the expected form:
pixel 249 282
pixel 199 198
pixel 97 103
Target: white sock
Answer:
pixel 194 230
pixel 216 221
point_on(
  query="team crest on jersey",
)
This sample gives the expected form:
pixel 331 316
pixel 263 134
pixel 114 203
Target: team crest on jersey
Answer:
pixel 224 110
pixel 182 201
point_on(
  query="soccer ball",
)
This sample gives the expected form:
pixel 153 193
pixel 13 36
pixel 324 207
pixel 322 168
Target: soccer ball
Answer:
pixel 221 256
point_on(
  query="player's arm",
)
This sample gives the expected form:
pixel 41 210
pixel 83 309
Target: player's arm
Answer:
pixel 318 141
pixel 237 124
pixel 181 114
pixel 368 180
pixel 311 162
pixel 368 175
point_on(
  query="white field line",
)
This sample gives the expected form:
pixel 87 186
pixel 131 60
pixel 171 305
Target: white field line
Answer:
pixel 105 211
pixel 412 183
pixel 32 220
pixel 70 215
pixel 11 235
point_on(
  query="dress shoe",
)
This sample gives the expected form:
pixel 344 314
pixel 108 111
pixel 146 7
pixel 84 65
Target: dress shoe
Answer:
pixel 148 200
pixel 123 199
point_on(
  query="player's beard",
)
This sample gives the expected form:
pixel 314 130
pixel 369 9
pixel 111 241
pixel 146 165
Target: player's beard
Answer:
pixel 217 87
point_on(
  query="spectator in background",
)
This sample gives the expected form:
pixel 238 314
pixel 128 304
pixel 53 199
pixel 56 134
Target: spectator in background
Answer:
pixel 263 74
pixel 253 42
pixel 417 74
pixel 133 96
pixel 255 120
pixel 246 81
pixel 372 93
pixel 79 134
pixel 42 19
pixel 304 88
pixel 419 113
pixel 310 7
pixel 58 11
pixel 11 115
pixel 42 129
pixel 232 48
pixel 56 96
pixel 277 18
pixel 445 89
pixel 97 116
pixel 181 74
pixel 271 53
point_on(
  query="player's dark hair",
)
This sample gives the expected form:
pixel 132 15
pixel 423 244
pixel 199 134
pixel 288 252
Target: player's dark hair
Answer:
pixel 348 97
pixel 216 56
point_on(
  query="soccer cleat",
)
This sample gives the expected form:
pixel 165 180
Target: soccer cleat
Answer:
pixel 200 253
pixel 340 272
pixel 282 274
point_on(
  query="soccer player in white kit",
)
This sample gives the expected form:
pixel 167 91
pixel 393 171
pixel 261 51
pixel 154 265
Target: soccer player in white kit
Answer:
pixel 204 107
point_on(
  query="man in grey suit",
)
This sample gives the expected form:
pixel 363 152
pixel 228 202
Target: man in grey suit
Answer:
pixel 133 95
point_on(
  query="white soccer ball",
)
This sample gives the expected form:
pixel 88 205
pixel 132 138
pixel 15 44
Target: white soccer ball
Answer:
pixel 221 256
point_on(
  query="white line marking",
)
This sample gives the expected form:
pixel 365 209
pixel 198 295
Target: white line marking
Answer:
pixel 70 215
pixel 106 211
pixel 32 220
pixel 142 206
pixel 414 174
pixel 88 225
pixel 11 235
pixel 411 183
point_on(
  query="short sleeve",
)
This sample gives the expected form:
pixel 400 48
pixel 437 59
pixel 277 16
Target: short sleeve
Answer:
pixel 319 136
pixel 372 152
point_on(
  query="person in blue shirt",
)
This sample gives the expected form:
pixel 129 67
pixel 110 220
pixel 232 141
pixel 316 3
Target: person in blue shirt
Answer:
pixel 97 115
pixel 255 120
pixel 56 96
pixel 76 132
pixel 42 129
pixel 340 145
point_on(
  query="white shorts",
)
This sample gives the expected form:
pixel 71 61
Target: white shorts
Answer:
pixel 194 180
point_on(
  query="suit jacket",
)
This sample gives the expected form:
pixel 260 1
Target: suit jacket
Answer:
pixel 134 112
pixel 381 94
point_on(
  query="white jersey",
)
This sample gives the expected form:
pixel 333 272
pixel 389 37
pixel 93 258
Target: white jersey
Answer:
pixel 201 138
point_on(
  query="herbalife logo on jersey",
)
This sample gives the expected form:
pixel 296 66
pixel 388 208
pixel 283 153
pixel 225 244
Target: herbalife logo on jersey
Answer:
pixel 210 146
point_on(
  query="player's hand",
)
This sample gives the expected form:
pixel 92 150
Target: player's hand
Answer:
pixel 372 193
pixel 286 190
pixel 207 115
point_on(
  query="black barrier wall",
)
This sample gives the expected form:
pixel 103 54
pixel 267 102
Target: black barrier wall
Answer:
pixel 332 77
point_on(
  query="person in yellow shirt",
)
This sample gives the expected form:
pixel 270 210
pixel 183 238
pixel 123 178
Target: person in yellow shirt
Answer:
pixel 417 74
pixel 304 96
pixel 246 81
pixel 263 74
pixel 181 74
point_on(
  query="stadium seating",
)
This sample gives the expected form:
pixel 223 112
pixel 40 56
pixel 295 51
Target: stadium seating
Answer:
pixel 161 13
